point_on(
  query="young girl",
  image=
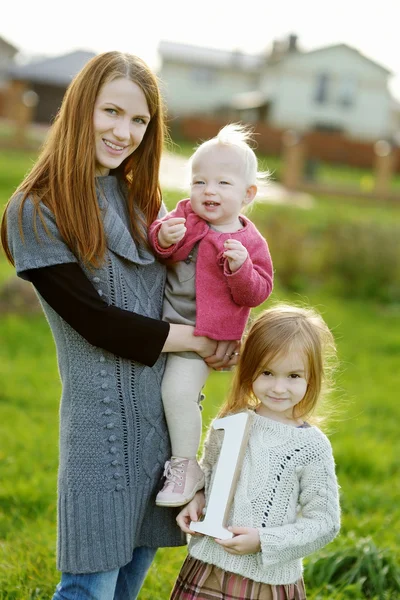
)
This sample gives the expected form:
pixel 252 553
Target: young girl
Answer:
pixel 77 229
pixel 286 503
pixel 219 267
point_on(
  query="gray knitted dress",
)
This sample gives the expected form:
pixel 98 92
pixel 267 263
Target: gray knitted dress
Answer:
pixel 113 436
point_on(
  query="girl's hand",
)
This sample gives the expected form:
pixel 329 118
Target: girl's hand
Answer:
pixel 236 254
pixel 191 512
pixel 226 355
pixel 171 232
pixel 246 540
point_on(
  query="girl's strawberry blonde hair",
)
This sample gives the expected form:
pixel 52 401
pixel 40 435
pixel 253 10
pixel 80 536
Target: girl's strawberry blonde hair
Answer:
pixel 63 177
pixel 276 332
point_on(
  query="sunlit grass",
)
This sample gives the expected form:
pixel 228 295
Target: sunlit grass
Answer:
pixel 364 435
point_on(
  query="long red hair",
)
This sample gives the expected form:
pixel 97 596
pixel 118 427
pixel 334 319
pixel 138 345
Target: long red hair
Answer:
pixel 63 177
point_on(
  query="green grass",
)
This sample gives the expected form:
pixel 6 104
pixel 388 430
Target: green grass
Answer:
pixel 364 436
pixel 361 563
pixel 14 165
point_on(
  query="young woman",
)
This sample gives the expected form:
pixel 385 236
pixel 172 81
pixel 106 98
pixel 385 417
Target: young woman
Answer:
pixel 76 228
pixel 286 504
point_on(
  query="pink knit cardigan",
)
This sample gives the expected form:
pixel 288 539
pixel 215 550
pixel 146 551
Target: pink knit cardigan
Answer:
pixel 223 299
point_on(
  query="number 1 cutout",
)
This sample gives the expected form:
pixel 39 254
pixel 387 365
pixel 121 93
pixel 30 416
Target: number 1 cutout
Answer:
pixel 236 428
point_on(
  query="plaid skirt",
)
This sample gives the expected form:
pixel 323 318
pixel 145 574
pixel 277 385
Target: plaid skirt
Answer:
pixel 200 581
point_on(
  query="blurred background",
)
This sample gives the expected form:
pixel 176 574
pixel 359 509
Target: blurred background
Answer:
pixel 320 85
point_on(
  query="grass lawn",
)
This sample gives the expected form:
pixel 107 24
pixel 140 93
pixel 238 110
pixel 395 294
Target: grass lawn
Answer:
pixel 364 436
pixel 361 563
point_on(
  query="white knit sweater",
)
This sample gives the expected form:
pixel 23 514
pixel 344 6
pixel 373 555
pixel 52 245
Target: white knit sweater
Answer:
pixel 287 490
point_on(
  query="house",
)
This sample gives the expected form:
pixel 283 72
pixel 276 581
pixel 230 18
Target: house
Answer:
pixel 7 54
pixel 48 79
pixel 334 88
pixel 195 79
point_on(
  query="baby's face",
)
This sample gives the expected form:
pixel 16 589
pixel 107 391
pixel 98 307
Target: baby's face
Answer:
pixel 218 186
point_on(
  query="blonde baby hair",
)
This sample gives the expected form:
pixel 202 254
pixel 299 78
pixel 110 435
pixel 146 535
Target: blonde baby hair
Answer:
pixel 275 332
pixel 241 137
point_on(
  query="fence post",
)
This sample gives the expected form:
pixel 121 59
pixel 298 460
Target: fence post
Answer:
pixel 293 159
pixel 22 104
pixel 384 166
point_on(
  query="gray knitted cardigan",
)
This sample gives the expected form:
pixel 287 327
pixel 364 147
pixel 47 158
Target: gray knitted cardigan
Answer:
pixel 113 436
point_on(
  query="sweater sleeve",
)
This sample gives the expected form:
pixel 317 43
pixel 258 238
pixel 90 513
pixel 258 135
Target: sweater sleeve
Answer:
pixel 163 253
pixel 196 229
pixel 41 244
pixel 252 283
pixel 67 290
pixel 159 251
pixel 318 521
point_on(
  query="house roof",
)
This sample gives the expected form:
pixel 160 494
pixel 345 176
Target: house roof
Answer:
pixel 5 44
pixel 188 54
pixel 56 70
pixel 352 49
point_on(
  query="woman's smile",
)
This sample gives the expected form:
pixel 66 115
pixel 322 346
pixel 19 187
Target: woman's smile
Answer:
pixel 113 146
pixel 120 119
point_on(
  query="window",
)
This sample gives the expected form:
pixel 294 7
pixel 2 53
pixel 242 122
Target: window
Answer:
pixel 347 91
pixel 322 88
pixel 202 75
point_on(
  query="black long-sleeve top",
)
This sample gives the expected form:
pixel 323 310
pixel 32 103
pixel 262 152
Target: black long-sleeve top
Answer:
pixel 69 292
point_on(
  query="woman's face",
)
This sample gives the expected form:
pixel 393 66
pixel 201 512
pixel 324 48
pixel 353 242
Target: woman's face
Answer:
pixel 120 119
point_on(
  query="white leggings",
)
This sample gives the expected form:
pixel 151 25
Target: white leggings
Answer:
pixel 182 383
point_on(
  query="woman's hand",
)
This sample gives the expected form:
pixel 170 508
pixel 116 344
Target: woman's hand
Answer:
pixel 181 338
pixel 246 540
pixel 226 355
pixel 191 512
pixel 205 347
pixel 217 355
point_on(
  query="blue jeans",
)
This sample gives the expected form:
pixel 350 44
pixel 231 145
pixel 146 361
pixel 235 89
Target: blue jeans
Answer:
pixel 120 584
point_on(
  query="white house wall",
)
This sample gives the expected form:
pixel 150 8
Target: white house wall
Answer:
pixel 373 119
pixel 294 81
pixel 190 89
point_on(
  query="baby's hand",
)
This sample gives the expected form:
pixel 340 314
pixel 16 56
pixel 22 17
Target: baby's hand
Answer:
pixel 236 254
pixel 171 232
pixel 246 540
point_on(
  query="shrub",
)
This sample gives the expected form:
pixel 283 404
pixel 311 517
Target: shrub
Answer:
pixel 358 259
pixel 357 563
pixel 364 259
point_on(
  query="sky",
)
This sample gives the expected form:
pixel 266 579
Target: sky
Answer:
pixel 40 27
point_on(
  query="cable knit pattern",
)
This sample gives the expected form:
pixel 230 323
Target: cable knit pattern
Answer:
pixel 113 436
pixel 287 490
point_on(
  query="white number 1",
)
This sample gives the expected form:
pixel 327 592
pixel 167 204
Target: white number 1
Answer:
pixel 236 428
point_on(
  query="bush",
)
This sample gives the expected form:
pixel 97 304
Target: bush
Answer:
pixel 357 259
pixel 355 565
pixel 364 260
